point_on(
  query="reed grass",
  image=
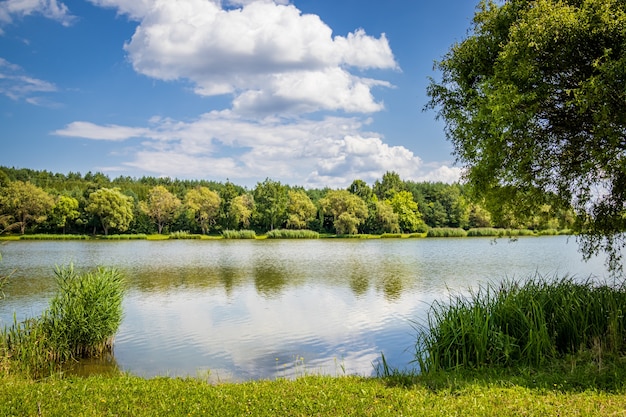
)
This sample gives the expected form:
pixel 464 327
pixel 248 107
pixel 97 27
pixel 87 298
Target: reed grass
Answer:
pixel 239 234
pixel 292 234
pixel 446 232
pixel 526 323
pixel 183 234
pixel 81 320
pixel 484 232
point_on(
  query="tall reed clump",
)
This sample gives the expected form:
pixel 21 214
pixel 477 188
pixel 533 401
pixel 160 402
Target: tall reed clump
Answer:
pixel 523 323
pixel 81 320
pixel 446 232
pixel 292 234
pixel 239 234
pixel 183 234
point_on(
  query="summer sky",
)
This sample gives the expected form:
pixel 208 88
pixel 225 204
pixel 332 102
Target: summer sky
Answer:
pixel 307 92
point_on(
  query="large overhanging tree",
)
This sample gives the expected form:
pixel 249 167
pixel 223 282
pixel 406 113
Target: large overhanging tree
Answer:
pixel 534 101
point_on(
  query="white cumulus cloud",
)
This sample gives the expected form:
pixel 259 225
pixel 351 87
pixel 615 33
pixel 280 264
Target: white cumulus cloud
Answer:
pixel 268 54
pixel 331 152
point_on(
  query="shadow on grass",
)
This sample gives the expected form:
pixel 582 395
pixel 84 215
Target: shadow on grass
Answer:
pixel 573 374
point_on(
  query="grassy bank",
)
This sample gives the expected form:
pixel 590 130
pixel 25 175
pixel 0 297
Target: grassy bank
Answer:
pixel 299 234
pixel 451 394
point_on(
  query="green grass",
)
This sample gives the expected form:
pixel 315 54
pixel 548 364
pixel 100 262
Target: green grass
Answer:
pixel 527 323
pixel 450 394
pixel 239 234
pixel 292 234
pixel 157 237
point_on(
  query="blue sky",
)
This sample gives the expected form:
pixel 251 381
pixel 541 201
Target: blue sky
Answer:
pixel 308 92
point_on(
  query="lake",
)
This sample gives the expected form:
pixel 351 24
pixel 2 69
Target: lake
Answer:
pixel 233 310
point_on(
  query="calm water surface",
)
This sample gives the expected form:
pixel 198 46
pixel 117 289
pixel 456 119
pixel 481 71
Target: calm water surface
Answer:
pixel 238 310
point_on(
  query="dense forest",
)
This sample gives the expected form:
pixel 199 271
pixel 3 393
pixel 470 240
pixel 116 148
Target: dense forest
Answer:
pixel 45 202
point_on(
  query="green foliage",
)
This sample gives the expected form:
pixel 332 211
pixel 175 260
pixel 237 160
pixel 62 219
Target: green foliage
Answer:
pixel 348 210
pixel 389 185
pixel 114 209
pixel 383 219
pixel 292 234
pixel 300 209
pixel 161 206
pixel 203 204
pixel 439 205
pixel 239 234
pixel 534 104
pixel 271 200
pixel 241 209
pixel 64 211
pixel 409 217
pixel 523 324
pixel 21 204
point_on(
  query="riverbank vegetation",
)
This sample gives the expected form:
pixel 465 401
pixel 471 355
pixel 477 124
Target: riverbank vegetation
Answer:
pixel 52 206
pixel 525 324
pixel 80 322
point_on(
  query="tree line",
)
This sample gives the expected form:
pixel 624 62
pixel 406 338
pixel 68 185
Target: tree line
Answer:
pixel 92 203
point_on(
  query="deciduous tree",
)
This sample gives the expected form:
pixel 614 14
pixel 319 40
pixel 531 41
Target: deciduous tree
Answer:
pixel 65 209
pixel 204 206
pixel 409 217
pixel 161 206
pixel 534 101
pixel 240 210
pixel 347 210
pixel 270 199
pixel 300 209
pixel 114 209
pixel 23 203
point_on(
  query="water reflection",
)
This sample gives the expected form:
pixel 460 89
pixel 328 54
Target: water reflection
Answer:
pixel 236 310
